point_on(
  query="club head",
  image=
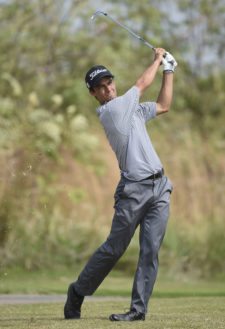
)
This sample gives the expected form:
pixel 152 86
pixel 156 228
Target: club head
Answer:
pixel 98 13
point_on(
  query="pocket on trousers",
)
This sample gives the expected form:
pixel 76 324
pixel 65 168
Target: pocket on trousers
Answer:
pixel 123 194
pixel 127 196
pixel 119 192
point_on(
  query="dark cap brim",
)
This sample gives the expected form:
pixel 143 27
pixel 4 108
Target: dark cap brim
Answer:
pixel 97 80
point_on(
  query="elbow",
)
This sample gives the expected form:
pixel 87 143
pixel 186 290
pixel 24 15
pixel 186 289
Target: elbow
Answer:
pixel 161 109
pixel 166 109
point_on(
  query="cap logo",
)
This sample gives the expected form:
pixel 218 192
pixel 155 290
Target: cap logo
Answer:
pixel 96 72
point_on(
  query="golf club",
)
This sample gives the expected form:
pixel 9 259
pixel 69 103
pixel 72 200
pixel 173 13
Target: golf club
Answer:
pixel 99 12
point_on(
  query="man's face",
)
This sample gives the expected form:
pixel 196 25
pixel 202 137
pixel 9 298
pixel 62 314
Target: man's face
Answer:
pixel 105 91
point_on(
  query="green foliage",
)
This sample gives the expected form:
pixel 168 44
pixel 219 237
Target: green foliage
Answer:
pixel 204 99
pixel 198 253
pixel 47 116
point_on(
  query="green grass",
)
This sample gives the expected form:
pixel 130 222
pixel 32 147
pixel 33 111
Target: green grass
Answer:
pixel 186 310
pixel 164 313
pixel 116 284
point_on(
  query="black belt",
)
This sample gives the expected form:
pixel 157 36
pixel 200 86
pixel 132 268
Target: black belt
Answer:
pixel 157 175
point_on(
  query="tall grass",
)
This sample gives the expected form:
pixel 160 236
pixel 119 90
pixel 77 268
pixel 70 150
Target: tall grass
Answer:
pixel 58 210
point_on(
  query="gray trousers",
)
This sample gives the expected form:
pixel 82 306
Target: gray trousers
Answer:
pixel 144 203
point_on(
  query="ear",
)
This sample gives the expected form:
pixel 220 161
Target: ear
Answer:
pixel 92 92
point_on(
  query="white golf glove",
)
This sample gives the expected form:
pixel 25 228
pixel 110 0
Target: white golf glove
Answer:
pixel 169 63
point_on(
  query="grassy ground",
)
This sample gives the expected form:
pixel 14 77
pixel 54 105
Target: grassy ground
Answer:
pixel 165 313
pixel 116 284
pixel 195 304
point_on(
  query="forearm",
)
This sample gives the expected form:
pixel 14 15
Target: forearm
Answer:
pixel 165 96
pixel 148 76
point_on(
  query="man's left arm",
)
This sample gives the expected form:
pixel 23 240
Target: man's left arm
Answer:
pixel 165 96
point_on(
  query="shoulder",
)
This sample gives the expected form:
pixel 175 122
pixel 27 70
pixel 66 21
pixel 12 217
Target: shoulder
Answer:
pixel 130 96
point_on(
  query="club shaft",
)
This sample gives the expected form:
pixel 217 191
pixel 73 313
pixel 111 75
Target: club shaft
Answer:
pixel 124 27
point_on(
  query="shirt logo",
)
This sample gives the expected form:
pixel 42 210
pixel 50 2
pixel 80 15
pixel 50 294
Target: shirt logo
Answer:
pixel 96 72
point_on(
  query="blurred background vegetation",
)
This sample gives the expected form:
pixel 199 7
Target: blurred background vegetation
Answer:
pixel 57 172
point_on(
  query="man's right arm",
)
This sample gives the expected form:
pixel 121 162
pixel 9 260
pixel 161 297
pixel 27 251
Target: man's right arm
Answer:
pixel 148 76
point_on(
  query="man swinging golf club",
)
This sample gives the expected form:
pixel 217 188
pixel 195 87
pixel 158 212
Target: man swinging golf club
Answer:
pixel 142 196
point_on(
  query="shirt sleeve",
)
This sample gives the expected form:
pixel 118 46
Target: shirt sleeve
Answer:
pixel 122 109
pixel 147 110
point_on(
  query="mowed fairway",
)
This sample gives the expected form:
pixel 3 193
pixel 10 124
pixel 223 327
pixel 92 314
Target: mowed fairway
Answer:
pixel 165 313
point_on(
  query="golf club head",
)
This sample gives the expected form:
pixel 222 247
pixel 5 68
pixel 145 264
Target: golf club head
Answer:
pixel 93 26
pixel 98 13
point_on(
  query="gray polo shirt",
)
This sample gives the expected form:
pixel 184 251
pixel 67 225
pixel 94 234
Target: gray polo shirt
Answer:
pixel 124 121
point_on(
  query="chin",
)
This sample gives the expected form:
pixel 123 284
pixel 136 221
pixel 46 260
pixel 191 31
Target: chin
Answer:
pixel 111 98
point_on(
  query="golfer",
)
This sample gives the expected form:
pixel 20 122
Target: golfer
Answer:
pixel 142 196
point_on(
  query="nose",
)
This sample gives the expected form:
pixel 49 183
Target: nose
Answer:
pixel 108 88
